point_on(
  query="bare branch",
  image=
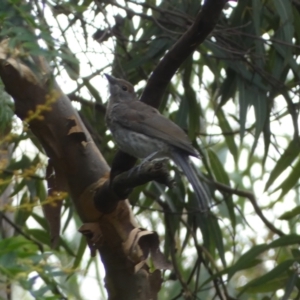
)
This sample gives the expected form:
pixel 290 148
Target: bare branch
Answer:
pixel 186 45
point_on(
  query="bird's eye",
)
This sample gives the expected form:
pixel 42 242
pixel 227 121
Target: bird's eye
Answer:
pixel 124 88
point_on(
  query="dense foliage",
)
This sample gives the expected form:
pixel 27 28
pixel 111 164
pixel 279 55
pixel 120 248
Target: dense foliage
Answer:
pixel 238 99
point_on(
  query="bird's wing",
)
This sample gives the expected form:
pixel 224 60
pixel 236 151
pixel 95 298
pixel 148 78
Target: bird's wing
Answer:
pixel 145 119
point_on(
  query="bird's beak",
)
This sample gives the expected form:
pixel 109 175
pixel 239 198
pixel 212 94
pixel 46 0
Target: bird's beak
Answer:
pixel 111 79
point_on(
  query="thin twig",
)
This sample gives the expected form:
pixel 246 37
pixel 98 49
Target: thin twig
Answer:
pixel 224 188
pixel 20 231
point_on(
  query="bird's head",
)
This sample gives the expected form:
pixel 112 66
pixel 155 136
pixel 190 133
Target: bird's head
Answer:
pixel 120 88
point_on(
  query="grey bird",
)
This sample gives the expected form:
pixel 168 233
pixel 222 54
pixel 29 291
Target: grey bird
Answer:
pixel 141 131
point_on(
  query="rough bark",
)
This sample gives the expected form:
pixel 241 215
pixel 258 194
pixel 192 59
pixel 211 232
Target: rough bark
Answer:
pixel 81 170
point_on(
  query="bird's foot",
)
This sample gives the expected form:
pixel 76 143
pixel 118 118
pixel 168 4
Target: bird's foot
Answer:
pixel 144 161
pixel 160 160
pixel 149 157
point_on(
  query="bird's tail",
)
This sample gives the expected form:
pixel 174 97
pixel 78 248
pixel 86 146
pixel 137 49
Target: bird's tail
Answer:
pixel 182 160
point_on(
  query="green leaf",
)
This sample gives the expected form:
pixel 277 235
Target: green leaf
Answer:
pixel 284 241
pixel 260 107
pixel 244 104
pixel 218 168
pixel 203 222
pixel 246 259
pixel 226 129
pixel 66 246
pixel 222 176
pixel 6 112
pixel 285 11
pixel 40 220
pixel 267 138
pixel 285 161
pixel 70 211
pixel 268 287
pixel 24 163
pixel 290 214
pixel 228 87
pixel 70 62
pixel 17 244
pixel 272 275
pixel 297 24
pixel 296 253
pixel 80 252
pixel 19 186
pixel 23 214
pixel 216 233
pixel 40 235
pixel 290 286
pixel 191 99
pixel 257 18
pixel 290 181
pixel 288 59
pixel 181 118
pixel 156 48
pixel 40 190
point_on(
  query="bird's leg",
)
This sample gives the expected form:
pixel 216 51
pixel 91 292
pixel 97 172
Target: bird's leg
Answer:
pixel 148 158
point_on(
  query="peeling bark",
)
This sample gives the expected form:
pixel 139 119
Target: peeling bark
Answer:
pixel 81 170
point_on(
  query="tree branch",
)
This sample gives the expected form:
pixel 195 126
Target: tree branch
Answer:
pixel 224 188
pixel 82 169
pixel 203 25
pixel 162 74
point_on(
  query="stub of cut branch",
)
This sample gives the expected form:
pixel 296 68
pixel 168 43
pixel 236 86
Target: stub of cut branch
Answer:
pixel 140 244
pixel 137 246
